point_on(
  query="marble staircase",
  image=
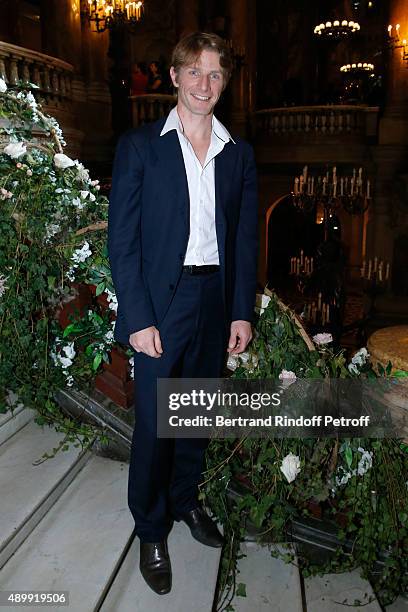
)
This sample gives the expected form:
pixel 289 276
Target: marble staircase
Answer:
pixel 65 526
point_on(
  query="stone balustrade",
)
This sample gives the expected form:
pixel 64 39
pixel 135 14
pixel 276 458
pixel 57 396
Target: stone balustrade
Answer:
pixel 150 107
pixel 52 76
pixel 310 121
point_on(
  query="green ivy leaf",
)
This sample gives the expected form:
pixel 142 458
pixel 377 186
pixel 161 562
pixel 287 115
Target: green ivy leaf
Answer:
pixel 100 288
pixel 97 361
pixel 241 590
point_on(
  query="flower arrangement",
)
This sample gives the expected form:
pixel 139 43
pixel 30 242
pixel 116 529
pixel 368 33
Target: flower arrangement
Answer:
pixel 52 219
pixel 357 484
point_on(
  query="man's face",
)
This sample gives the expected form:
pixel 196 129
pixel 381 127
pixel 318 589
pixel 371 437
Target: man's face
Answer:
pixel 200 84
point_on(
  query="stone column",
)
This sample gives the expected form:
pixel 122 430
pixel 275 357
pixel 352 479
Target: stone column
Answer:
pixel 97 117
pixel 392 151
pixel 61 38
pixel 61 30
pixel 242 33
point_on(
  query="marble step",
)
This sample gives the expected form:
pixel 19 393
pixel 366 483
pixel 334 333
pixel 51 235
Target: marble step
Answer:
pixel 194 578
pixel 334 592
pixel 27 490
pixel 270 583
pixel 13 421
pixel 79 544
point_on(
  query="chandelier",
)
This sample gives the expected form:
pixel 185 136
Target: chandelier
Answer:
pixel 330 193
pixel 336 29
pixel 358 68
pixel 112 13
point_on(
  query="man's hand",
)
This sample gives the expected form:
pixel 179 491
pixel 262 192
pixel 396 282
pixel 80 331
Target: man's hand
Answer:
pixel 147 341
pixel 241 335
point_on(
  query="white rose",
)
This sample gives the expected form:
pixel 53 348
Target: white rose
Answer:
pixel 262 302
pixel 3 86
pixel 324 338
pixel 69 350
pixel 290 467
pixel 15 149
pixel 232 362
pixel 62 161
pixel 287 377
pixel 65 361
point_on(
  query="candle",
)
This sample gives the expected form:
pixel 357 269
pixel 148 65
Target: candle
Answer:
pixel 301 257
pixel 341 186
pixel 305 173
pixel 387 271
pixel 319 301
pixel 360 174
pixel 311 264
pixel 380 277
pixel 363 269
pixel 327 313
pixel 334 173
pixel 334 189
pixel 324 185
pixel 375 264
pixel 312 192
pixel 301 184
pixel 370 263
pixel 352 185
pixel 295 188
pixel 368 188
pixel 297 266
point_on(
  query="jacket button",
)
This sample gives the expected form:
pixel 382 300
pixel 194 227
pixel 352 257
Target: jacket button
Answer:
pixel 171 287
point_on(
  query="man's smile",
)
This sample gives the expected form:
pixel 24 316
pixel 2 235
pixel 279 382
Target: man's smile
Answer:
pixel 202 98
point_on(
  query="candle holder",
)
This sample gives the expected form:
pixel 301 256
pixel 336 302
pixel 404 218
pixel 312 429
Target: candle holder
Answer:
pixel 375 276
pixel 332 192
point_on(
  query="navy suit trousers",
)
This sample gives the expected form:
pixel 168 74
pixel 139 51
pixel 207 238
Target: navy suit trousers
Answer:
pixel 164 473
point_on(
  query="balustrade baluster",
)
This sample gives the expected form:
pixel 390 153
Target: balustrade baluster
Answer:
pixel 46 79
pixel 3 73
pixel 14 78
pixel 63 84
pixel 340 117
pixel 316 122
pixel 307 122
pixel 142 114
pixel 54 82
pixel 332 126
pixel 25 72
pixel 348 122
pixel 324 121
pixel 36 76
pixel 299 122
pixel 291 122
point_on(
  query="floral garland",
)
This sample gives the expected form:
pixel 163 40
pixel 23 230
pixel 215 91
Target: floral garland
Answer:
pixel 51 219
pixel 276 480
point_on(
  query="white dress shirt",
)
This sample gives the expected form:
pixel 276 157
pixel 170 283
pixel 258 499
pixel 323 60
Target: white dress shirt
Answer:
pixel 202 247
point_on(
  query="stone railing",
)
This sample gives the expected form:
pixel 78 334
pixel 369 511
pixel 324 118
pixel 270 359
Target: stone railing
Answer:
pixel 323 121
pixel 52 76
pixel 150 107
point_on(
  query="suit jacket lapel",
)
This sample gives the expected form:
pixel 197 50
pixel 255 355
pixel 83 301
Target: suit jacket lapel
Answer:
pixel 170 165
pixel 224 169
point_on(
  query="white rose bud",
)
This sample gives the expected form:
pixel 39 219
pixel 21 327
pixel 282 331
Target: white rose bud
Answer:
pixel 3 86
pixel 290 467
pixel 62 161
pixel 15 149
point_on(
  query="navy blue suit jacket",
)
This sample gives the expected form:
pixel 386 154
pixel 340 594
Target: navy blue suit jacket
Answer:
pixel 149 219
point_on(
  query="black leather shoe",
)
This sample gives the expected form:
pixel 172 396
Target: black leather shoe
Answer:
pixel 202 527
pixel 155 566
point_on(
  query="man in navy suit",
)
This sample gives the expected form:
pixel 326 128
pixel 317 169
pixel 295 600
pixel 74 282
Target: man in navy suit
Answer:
pixel 182 243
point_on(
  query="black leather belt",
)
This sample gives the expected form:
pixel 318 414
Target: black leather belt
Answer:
pixel 201 269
